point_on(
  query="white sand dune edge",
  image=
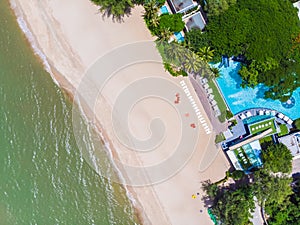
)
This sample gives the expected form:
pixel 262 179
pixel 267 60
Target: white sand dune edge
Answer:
pixel 72 35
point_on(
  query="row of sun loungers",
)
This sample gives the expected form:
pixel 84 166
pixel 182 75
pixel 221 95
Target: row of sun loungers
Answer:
pixel 210 96
pixel 261 112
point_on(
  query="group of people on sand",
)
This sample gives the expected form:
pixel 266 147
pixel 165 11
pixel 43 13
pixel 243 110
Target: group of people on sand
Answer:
pixel 177 100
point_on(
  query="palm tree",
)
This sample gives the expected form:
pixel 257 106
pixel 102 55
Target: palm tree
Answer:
pixel 150 9
pixel 115 8
pixel 206 53
pixel 215 72
pixel 164 35
pixel 174 53
pixel 154 20
pixel 192 63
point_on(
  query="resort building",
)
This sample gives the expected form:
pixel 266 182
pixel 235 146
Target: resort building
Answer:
pixel 195 21
pixel 182 6
pixel 192 14
pixel 246 157
pixel 242 144
pixel 292 142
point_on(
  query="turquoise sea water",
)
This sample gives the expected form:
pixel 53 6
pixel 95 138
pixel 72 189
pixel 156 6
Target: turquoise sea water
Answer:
pixel 43 176
pixel 239 99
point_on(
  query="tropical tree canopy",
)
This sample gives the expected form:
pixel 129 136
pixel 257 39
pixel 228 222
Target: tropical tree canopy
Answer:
pixel 277 158
pixel 233 206
pixel 267 33
pixel 172 21
pixel 116 8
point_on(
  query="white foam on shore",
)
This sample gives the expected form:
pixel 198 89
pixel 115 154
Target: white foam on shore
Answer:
pixel 110 153
pixel 30 37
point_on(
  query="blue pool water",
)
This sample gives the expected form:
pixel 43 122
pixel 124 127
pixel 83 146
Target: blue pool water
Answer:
pixel 179 37
pixel 239 99
pixel 164 9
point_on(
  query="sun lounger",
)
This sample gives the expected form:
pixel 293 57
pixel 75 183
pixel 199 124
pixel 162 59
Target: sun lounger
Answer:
pixel 280 115
pixel 290 122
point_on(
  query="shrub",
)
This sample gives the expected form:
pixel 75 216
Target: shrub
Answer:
pixel 173 22
pixel 219 138
pixel 283 130
pixel 228 114
pixel 237 174
pixel 297 123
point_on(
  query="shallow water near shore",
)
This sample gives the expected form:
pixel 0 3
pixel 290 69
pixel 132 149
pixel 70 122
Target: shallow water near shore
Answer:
pixel 44 178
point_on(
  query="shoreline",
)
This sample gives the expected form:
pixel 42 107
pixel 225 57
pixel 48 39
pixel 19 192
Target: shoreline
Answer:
pixel 69 91
pixel 144 216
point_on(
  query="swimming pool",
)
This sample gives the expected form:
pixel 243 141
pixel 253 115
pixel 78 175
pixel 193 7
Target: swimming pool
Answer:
pixel 239 99
pixel 164 9
pixel 179 37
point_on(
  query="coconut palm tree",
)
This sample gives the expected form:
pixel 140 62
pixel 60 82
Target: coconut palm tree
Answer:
pixel 174 53
pixel 164 35
pixel 150 9
pixel 215 72
pixel 154 20
pixel 115 8
pixel 206 53
pixel 192 63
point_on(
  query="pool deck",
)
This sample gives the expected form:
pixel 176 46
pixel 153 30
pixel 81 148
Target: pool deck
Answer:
pixel 201 93
pixel 240 130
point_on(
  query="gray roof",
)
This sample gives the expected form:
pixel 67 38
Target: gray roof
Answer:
pixel 195 21
pixel 182 5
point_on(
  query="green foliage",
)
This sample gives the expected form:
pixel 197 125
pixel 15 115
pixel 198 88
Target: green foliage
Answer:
pixel 215 7
pixel 232 207
pixel 196 39
pixel 297 123
pixel 115 8
pixel 267 32
pixel 160 2
pixel 286 213
pixel 206 53
pixel 173 22
pixel 219 138
pixel 283 130
pixel 277 158
pixel 173 72
pixel 237 174
pixel 229 114
pixel 271 189
pixel 211 189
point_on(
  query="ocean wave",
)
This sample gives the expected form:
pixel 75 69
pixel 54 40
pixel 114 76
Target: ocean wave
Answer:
pixel 30 37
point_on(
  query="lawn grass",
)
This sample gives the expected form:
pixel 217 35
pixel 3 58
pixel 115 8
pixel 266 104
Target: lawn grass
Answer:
pixel 219 99
pixel 283 130
pixel 263 126
pixel 245 166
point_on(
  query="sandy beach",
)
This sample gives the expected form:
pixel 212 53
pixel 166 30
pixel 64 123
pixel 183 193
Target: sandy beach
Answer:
pixel 73 35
